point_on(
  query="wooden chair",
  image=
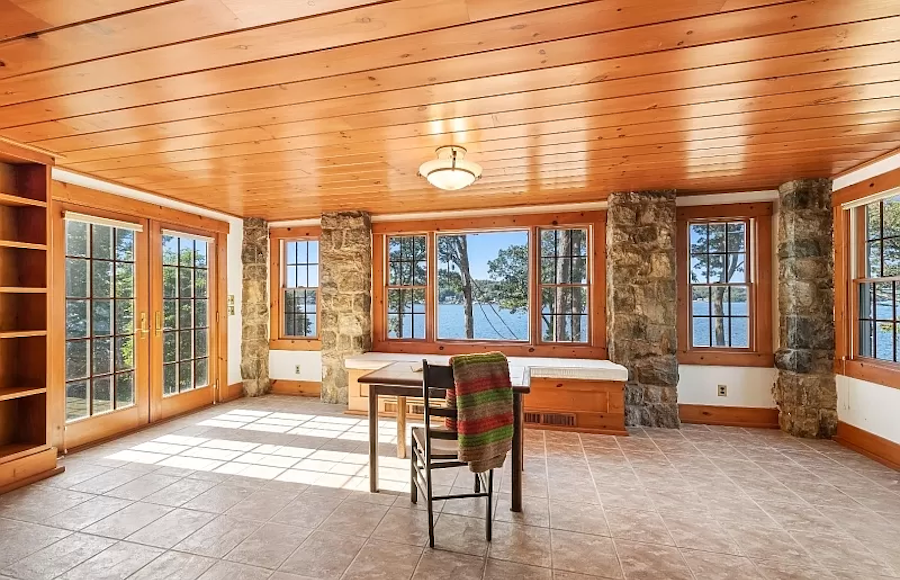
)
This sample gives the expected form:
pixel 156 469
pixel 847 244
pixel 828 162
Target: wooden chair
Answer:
pixel 436 448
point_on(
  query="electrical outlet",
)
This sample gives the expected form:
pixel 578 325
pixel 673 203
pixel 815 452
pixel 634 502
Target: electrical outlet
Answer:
pixel 297 370
pixel 723 390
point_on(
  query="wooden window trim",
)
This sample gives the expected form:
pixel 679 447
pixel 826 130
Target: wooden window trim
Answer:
pixel 277 340
pixel 870 187
pixel 846 297
pixel 761 352
pixel 99 200
pixel 595 348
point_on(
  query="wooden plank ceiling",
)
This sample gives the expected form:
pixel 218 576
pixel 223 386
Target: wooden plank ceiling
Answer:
pixel 283 109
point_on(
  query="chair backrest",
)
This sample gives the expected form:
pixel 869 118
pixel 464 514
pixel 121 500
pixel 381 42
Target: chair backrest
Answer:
pixel 436 381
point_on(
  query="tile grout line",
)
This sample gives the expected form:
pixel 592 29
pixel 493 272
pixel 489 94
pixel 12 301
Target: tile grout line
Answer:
pixel 659 515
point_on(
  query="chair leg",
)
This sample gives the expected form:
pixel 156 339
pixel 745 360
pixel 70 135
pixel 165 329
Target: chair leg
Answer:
pixel 490 504
pixel 477 484
pixel 430 503
pixel 414 487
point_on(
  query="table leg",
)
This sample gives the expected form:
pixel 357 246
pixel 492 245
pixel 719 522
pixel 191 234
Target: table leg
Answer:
pixel 401 427
pixel 517 454
pixel 373 438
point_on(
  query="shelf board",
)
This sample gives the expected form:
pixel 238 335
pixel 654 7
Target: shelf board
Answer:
pixel 9 394
pixel 18 200
pixel 13 451
pixel 22 245
pixel 22 333
pixel 21 290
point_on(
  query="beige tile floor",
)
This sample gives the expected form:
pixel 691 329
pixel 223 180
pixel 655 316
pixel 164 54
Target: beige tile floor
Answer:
pixel 275 488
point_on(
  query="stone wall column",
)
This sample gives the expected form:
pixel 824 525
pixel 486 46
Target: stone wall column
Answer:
pixel 255 308
pixel 805 390
pixel 345 277
pixel 641 312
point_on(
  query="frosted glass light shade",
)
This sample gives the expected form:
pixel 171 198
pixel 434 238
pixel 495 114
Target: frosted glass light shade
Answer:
pixel 450 171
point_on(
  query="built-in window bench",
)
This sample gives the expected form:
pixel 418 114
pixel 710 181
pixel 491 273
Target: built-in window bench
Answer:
pixel 566 394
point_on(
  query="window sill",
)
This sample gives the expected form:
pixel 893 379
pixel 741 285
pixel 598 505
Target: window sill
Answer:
pixel 887 375
pixel 295 344
pixel 507 348
pixel 726 359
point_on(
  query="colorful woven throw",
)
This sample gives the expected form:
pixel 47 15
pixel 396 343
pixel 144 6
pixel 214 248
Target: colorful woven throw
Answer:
pixel 483 400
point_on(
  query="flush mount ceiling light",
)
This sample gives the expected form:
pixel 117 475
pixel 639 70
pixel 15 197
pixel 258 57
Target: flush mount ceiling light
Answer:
pixel 450 171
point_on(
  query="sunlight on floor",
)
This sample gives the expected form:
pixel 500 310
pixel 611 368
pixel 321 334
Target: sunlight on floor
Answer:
pixel 320 467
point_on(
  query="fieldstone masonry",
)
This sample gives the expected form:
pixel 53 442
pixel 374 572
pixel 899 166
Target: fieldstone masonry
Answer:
pixel 805 390
pixel 255 308
pixel 641 294
pixel 345 262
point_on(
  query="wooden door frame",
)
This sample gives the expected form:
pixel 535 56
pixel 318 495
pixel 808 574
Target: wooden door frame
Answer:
pixel 90 429
pixel 162 407
pixel 97 202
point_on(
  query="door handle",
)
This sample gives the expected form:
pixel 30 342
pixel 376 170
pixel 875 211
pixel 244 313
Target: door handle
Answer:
pixel 145 325
pixel 158 323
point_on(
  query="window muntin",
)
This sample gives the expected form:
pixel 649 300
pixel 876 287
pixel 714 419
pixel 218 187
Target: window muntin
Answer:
pixel 100 294
pixel 719 285
pixel 300 288
pixel 407 280
pixel 564 285
pixel 879 287
pixel 483 286
pixel 185 314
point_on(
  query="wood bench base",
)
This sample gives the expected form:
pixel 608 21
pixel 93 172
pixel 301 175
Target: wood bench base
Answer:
pixel 576 405
pixel 553 404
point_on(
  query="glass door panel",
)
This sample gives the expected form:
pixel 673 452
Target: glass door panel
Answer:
pixel 184 322
pixel 103 346
pixel 185 314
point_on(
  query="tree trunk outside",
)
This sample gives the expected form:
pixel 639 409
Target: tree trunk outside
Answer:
pixel 717 312
pixel 465 274
pixel 719 300
pixel 563 294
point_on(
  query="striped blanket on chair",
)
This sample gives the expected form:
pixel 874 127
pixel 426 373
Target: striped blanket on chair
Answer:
pixel 483 400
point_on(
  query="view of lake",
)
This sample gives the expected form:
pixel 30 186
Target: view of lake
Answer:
pixel 883 333
pixel 495 323
pixel 738 328
pixel 491 322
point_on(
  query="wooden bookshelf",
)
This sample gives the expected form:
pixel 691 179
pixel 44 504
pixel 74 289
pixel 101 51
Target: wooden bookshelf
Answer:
pixel 25 453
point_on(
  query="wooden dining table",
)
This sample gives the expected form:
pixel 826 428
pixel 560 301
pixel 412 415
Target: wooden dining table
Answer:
pixel 404 379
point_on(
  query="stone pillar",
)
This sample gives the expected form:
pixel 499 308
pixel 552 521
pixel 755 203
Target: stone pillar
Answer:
pixel 641 313
pixel 255 308
pixel 345 276
pixel 805 389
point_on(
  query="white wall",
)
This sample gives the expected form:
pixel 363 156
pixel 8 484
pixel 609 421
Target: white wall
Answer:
pixel 746 386
pixel 873 408
pixel 283 365
pixel 234 241
pixel 235 288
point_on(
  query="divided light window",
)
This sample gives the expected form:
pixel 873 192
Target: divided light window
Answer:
pixel 185 313
pixel 564 284
pixel 100 294
pixel 719 284
pixel 526 285
pixel 879 285
pixel 300 289
pixel 407 263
